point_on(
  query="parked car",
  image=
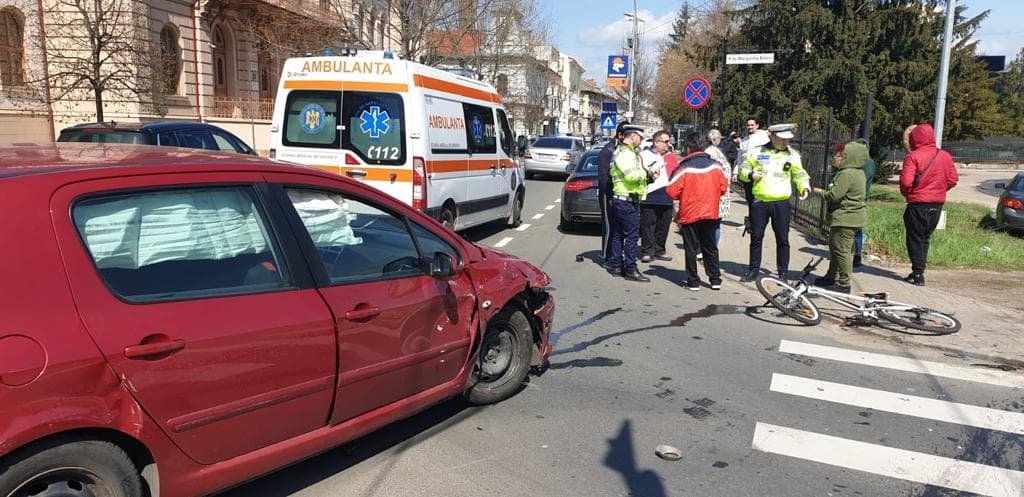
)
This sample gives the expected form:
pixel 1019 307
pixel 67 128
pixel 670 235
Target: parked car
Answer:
pixel 600 142
pixel 551 154
pixel 187 134
pixel 579 193
pixel 188 321
pixel 1010 208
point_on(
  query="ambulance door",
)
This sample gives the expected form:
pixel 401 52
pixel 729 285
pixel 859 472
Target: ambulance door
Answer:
pixel 447 180
pixel 489 192
pixel 373 130
pixel 510 173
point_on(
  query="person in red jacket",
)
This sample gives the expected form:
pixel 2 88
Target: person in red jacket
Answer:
pixel 698 184
pixel 928 173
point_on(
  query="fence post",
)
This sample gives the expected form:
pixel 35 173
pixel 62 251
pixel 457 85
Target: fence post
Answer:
pixel 822 211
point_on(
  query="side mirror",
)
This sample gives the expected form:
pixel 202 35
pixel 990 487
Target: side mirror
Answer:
pixel 999 186
pixel 442 267
pixel 569 167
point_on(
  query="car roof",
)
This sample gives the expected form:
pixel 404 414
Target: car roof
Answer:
pixel 71 157
pixel 139 126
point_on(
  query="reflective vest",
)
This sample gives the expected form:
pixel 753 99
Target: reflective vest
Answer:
pixel 628 174
pixel 779 168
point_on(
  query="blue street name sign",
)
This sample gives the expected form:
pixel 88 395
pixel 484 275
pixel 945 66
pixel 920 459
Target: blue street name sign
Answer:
pixel 608 121
pixel 610 107
pixel 618 66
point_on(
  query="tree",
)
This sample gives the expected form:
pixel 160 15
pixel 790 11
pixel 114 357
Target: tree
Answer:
pixel 99 47
pixel 680 27
pixel 1011 94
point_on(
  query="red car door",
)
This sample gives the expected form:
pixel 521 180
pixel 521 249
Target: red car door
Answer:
pixel 211 321
pixel 400 331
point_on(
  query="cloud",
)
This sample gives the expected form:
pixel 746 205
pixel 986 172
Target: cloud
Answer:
pixel 598 42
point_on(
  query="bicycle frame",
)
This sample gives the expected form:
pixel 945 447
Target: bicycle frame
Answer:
pixel 867 305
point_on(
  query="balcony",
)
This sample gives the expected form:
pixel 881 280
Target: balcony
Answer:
pixel 242 108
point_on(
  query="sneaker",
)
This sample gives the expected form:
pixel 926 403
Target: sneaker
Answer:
pixel 750 276
pixel 857 261
pixel 716 286
pixel 693 287
pixel 823 281
pixel 636 275
pixel 700 256
pixel 663 257
pixel 915 279
pixel 645 258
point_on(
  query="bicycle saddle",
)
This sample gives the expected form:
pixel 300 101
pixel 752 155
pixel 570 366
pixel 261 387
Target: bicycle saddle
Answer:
pixel 876 296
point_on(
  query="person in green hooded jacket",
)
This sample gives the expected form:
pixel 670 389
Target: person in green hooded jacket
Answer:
pixel 847 213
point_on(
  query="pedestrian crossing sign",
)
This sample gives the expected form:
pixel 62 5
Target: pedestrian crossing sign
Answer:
pixel 607 121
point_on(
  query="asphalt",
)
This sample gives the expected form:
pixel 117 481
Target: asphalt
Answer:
pixel 990 331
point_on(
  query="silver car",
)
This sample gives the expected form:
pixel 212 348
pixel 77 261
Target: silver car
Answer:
pixel 552 155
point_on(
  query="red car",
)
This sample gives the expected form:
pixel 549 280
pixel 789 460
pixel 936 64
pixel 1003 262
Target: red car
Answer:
pixel 175 322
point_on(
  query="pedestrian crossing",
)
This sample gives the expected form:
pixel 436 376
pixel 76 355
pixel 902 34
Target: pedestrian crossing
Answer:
pixel 895 462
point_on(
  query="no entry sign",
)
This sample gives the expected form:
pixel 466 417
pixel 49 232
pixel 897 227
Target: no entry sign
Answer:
pixel 696 93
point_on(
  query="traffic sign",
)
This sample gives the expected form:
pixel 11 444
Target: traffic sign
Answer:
pixel 608 121
pixel 750 58
pixel 608 106
pixel 696 93
pixel 618 66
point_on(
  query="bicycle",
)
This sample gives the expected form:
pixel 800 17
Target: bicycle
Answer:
pixel 792 299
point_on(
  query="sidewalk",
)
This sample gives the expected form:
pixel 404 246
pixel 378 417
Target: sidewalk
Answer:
pixel 989 332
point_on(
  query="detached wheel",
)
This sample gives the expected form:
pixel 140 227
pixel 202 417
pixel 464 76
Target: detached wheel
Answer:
pixel 515 218
pixel 504 358
pixel 86 468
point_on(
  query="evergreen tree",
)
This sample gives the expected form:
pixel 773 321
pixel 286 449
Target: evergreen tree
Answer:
pixel 1011 94
pixel 681 27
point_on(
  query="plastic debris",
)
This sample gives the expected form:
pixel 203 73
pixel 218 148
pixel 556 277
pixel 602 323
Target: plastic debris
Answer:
pixel 668 453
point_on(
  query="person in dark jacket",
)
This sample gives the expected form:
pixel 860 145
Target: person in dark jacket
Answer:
pixel 698 184
pixel 846 214
pixel 604 189
pixel 656 209
pixel 928 173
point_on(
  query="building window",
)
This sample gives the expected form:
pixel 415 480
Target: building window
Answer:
pixel 12 51
pixel 170 60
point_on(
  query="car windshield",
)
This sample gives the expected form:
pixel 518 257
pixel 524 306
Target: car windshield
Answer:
pixel 1018 184
pixel 102 136
pixel 588 164
pixel 549 142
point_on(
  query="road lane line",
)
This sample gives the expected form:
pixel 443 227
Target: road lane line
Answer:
pixel 549 207
pixel 503 242
pixel 557 200
pixel 991 377
pixel 538 216
pixel 907 405
pixel 887 461
pixel 522 227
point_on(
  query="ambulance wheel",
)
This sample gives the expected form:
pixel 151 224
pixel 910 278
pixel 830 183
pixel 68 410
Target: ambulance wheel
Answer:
pixel 448 217
pixel 515 218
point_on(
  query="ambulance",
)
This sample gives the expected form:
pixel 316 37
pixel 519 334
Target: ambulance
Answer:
pixel 435 140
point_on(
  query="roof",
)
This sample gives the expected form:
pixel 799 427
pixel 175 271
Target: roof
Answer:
pixel 48 158
pixel 138 126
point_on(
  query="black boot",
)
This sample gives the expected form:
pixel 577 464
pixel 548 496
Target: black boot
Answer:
pixel 915 279
pixel 857 261
pixel 636 275
pixel 824 282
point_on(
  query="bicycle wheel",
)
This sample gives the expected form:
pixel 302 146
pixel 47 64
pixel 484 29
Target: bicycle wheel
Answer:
pixel 922 319
pixel 785 298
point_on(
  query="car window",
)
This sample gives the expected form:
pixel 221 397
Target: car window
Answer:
pixel 225 143
pixel 430 243
pixel 103 136
pixel 374 126
pixel 196 138
pixel 1018 184
pixel 548 142
pixel 506 133
pixel 185 243
pixel 588 163
pixel 480 129
pixel 311 119
pixel 167 139
pixel 355 240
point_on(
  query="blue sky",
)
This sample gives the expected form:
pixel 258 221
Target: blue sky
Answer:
pixel 590 30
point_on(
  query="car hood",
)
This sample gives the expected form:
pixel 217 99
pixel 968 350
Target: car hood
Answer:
pixel 511 264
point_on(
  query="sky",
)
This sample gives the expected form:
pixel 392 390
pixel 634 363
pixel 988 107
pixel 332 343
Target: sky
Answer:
pixel 592 34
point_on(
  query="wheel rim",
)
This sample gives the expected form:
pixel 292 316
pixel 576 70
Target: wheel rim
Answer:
pixel 784 298
pixel 448 219
pixel 496 353
pixel 924 318
pixel 64 482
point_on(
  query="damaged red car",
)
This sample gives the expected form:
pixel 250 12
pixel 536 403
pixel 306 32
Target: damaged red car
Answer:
pixel 175 323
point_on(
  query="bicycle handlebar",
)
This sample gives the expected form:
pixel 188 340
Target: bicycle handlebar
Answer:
pixel 810 267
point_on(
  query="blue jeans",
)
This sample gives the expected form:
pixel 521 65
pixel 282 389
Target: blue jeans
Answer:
pixel 625 235
pixel 858 242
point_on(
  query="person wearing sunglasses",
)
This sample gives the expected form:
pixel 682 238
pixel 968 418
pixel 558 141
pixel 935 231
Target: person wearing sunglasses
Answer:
pixel 656 208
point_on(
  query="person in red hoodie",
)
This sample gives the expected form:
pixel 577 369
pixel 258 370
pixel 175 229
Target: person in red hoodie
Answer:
pixel 928 173
pixel 698 184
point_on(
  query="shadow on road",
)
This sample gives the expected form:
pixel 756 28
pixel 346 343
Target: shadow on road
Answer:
pixel 621 457
pixel 484 231
pixel 398 436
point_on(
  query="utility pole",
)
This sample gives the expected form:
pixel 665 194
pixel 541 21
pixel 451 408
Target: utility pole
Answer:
pixel 940 97
pixel 632 61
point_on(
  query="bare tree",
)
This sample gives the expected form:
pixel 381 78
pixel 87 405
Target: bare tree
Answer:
pixel 287 28
pixel 98 47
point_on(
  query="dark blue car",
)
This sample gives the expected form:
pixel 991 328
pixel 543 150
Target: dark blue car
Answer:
pixel 579 194
pixel 187 134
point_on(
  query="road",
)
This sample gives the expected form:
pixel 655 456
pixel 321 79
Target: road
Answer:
pixel 756 405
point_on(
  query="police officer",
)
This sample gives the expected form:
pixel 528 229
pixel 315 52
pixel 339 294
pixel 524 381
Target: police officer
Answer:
pixel 773 169
pixel 604 190
pixel 629 187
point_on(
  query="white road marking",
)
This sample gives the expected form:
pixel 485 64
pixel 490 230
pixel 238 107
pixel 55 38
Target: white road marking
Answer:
pixel 503 242
pixel 887 461
pixel 549 207
pixel 991 377
pixel 522 227
pixel 538 216
pixel 908 405
pixel 557 200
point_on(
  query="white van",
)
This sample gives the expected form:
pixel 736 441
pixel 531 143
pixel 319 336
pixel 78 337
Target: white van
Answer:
pixel 437 141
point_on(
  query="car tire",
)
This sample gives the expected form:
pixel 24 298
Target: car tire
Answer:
pixel 529 175
pixel 504 358
pixel 515 217
pixel 71 467
pixel 448 217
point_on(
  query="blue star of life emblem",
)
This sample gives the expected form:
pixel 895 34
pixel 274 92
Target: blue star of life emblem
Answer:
pixel 375 121
pixel 478 128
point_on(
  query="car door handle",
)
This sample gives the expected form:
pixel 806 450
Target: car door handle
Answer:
pixel 355 173
pixel 145 350
pixel 360 313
